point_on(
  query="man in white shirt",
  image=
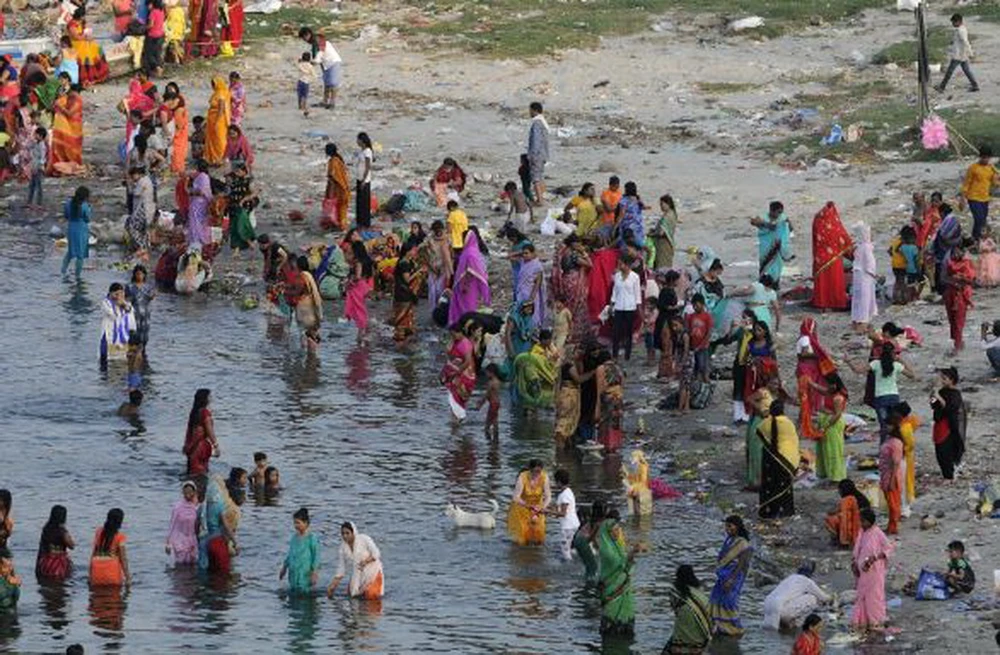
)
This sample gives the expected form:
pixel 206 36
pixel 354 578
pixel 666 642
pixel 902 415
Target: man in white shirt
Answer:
pixel 793 599
pixel 324 54
pixel 569 522
pixel 626 297
pixel 961 54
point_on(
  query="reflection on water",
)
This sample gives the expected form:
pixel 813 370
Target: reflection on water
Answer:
pixel 358 434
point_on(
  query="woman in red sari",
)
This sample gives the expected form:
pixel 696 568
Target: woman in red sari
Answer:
pixel 831 244
pixel 814 364
pixel 200 443
pixel 232 29
pixel 459 372
pixel 203 40
pixel 66 150
pixel 958 291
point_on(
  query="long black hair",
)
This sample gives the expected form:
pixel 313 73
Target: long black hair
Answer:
pixel 5 501
pixel 366 142
pixel 201 397
pixel 80 196
pixel 482 244
pixel 847 488
pixel 111 527
pixel 887 359
pixel 361 256
pixel 54 529
pixel 685 580
pixel 737 522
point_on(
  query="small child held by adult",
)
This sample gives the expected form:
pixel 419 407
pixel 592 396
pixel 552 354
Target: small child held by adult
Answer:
pixel 961 579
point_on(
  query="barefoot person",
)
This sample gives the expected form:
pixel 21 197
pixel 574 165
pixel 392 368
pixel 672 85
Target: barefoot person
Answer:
pixel 360 558
pixel 870 564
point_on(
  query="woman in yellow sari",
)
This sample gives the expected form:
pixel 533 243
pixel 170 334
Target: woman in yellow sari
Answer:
pixel 532 495
pixel 338 192
pixel 66 152
pixel 217 122
pixel 89 56
pixel 568 401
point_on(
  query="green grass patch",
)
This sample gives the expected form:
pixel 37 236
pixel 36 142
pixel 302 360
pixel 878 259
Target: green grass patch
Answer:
pixel 796 11
pixel 725 88
pixel 904 53
pixel 988 11
pixel 287 21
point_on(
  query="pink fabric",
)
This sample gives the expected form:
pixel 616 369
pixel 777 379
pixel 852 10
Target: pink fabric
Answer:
pixel 890 458
pixel 869 607
pixel 988 267
pixel 238 102
pixel 182 538
pixel 661 489
pixel 471 288
pixel 355 307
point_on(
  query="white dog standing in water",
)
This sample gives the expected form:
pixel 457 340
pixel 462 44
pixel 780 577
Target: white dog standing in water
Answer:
pixel 481 520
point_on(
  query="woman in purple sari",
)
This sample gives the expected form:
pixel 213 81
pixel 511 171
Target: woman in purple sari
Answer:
pixel 199 231
pixel 531 286
pixel 471 286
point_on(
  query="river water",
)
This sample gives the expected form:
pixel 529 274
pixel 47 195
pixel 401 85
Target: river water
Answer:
pixel 360 435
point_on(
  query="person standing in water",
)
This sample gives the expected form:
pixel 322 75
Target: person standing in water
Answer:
pixel 303 560
pixel 76 211
pixel 360 557
pixel 182 537
pixel 140 292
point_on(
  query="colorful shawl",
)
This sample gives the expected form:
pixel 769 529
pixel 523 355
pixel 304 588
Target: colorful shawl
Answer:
pixel 471 286
pixel 530 271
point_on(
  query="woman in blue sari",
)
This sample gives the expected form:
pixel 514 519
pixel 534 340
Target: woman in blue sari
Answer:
pixel 629 217
pixel 520 332
pixel 218 518
pixel 773 241
pixel 731 572
pixel 302 562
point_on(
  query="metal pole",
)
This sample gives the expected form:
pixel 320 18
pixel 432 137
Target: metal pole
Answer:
pixel 923 63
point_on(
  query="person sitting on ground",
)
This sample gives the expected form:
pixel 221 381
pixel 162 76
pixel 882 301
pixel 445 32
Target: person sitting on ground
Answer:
pixel 844 524
pixel 449 178
pixel 960 577
pixel 793 598
pixel 991 344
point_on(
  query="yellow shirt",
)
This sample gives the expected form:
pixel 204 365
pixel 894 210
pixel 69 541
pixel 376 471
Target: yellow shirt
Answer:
pixel 458 225
pixel 788 438
pixel 898 260
pixel 176 24
pixel 978 182
pixel 586 215
pixel 4 139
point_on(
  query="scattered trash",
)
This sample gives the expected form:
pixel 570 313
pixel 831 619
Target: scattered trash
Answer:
pixel 662 26
pixel 836 135
pixel 263 7
pixel 934 133
pixel 749 23
pixel 602 83
pixel 830 166
pixel 931 586
pixel 565 132
pixel 854 133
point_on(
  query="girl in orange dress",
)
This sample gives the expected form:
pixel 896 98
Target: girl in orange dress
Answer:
pixel 532 495
pixel 108 562
pixel 845 523
pixel 810 642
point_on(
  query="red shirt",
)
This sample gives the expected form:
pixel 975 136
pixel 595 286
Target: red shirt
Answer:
pixel 699 327
pixel 154 26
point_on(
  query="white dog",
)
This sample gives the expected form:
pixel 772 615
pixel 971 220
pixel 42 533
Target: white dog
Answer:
pixel 481 520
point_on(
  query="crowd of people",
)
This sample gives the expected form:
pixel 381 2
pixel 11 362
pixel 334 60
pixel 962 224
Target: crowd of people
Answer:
pixel 564 343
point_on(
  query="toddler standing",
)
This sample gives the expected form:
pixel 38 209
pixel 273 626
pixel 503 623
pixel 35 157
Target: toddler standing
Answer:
pixel 307 75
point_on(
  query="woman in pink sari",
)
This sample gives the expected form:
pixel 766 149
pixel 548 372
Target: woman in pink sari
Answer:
pixel 238 148
pixel 871 558
pixel 459 373
pixel 471 286
pixel 359 284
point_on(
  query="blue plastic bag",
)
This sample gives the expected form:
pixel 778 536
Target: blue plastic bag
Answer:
pixel 932 586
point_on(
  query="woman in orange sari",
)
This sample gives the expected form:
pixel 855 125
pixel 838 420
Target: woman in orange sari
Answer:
pixel 66 151
pixel 532 495
pixel 217 122
pixel 338 192
pixel 831 244
pixel 89 56
pixel 844 524
pixel 179 151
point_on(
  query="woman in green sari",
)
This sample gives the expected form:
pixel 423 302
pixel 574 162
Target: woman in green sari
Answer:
pixel 693 621
pixel 617 600
pixel 663 234
pixel 535 374
pixel 761 405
